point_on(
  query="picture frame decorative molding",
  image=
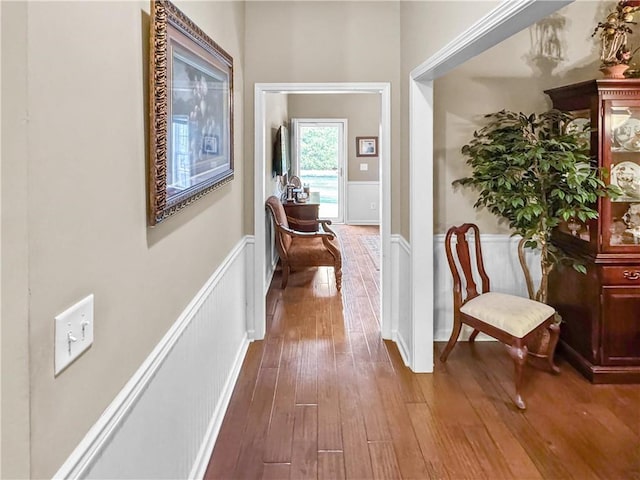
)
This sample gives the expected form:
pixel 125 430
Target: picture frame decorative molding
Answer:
pixel 191 113
pixel 366 146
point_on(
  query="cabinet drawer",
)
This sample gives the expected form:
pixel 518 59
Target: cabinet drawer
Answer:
pixel 621 275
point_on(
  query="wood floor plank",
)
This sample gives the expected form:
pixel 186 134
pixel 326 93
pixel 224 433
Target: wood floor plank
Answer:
pixel 383 460
pixel 225 454
pixel 407 380
pixel 495 466
pixel 354 435
pixel 340 339
pixel 330 465
pixel 613 445
pixel 359 347
pixel 371 328
pixel 279 437
pixel 554 458
pixel 362 414
pixel 250 462
pixel 304 457
pixel 466 456
pixel 329 424
pixel 272 351
pixel 505 444
pixel 405 443
pixel 307 382
pixel 276 471
pixel 431 445
pixel 273 297
pixel 371 402
pixel 276 325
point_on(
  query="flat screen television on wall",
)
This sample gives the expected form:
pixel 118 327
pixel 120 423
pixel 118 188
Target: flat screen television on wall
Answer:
pixel 281 156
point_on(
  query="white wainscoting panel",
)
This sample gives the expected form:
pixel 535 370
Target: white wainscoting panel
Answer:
pixel 402 327
pixel 164 422
pixel 500 255
pixel 361 196
pixel 271 252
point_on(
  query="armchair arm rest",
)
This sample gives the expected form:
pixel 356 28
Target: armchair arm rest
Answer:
pixel 295 233
pixel 324 224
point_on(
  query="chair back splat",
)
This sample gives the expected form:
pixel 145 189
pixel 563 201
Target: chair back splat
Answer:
pixel 463 252
pixel 509 319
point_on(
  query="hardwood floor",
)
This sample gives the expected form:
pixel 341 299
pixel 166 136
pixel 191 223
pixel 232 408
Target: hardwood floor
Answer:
pixel 323 396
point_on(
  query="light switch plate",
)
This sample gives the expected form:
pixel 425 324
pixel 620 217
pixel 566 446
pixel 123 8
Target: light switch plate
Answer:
pixel 364 167
pixel 74 333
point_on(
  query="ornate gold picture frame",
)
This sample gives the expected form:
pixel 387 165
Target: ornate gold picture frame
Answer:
pixel 191 109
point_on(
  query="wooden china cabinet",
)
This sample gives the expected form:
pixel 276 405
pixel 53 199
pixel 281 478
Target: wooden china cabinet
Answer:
pixel 600 333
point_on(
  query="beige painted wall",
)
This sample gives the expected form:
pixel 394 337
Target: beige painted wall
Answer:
pixel 506 76
pixel 426 27
pixel 322 42
pixel 79 162
pixel 362 112
pixel 14 255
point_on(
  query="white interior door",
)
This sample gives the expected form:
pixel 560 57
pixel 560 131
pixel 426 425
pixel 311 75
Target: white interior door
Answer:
pixel 319 155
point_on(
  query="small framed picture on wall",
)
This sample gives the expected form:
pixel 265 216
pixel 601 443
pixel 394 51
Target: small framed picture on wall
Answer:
pixel 366 146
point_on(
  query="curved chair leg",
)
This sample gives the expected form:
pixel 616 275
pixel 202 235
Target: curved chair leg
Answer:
pixel 457 326
pixel 519 355
pixel 554 333
pixel 473 335
pixel 543 360
pixel 338 273
pixel 285 276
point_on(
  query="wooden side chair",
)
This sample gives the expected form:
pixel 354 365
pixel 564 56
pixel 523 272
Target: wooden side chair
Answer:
pixel 510 319
pixel 304 249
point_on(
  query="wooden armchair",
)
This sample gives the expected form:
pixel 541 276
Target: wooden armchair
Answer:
pixel 510 319
pixel 304 249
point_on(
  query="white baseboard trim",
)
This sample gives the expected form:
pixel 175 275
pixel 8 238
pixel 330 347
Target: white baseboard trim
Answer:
pixel 401 330
pixel 400 240
pixel 362 222
pixel 403 348
pixel 190 373
pixel 271 270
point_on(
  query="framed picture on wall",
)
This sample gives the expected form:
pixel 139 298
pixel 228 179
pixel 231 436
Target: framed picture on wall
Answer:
pixel 366 146
pixel 191 113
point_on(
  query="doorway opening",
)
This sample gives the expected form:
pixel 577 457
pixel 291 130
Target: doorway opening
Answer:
pixel 319 151
pixel 257 317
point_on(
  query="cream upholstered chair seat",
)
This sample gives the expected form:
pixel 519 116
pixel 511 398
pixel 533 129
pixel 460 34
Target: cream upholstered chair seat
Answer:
pixel 515 315
pixel 512 320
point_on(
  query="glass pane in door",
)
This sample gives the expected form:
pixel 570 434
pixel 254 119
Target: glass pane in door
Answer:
pixel 624 164
pixel 319 165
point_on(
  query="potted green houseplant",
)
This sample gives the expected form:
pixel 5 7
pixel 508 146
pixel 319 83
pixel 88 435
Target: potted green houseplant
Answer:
pixel 534 173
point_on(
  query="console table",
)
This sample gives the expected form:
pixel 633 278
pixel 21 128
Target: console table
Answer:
pixel 302 216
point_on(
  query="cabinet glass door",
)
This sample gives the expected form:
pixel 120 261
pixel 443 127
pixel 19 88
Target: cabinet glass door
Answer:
pixel 621 217
pixel 579 231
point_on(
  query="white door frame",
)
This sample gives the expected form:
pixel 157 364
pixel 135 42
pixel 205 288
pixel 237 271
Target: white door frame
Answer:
pixel 500 23
pixel 342 147
pixel 257 319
